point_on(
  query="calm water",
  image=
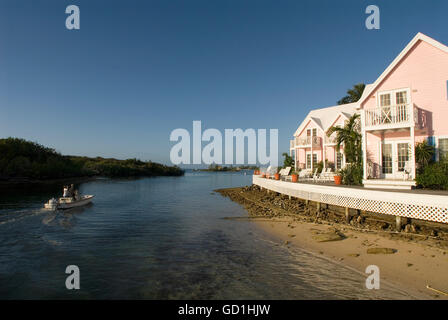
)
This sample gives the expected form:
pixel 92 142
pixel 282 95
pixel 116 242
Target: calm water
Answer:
pixel 158 238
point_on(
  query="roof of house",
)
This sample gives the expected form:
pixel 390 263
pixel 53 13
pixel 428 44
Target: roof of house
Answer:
pixel 325 117
pixel 419 37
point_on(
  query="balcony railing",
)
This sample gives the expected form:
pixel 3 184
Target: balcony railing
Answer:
pixel 307 142
pixel 330 140
pixel 390 116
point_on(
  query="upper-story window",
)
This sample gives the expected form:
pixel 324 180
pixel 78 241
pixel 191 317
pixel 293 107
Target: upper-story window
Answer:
pixel 313 131
pixel 393 98
pixel 401 97
pixel 385 100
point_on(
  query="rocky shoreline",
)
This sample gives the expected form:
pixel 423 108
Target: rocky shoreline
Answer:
pixel 261 203
pixel 413 258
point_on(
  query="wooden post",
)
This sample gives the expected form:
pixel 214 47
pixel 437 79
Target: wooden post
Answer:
pixel 318 207
pixel 347 215
pixel 400 221
pixel 289 197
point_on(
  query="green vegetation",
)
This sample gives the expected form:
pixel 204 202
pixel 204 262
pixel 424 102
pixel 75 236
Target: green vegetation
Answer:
pixel 350 137
pixel 288 161
pixel 29 160
pixel 430 174
pixel 434 176
pixel 424 154
pixel 354 94
pixel 218 168
pixel 352 174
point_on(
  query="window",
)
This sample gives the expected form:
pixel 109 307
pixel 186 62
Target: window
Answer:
pixel 308 132
pixel 385 100
pixel 314 160
pixel 443 149
pixel 403 155
pixel 338 160
pixel 308 161
pixel 314 132
pixel 401 97
pixel 387 158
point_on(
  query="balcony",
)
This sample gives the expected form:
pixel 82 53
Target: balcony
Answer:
pixel 331 140
pixel 398 116
pixel 305 142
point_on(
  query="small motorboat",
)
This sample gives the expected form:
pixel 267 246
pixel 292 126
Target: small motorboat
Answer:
pixel 68 202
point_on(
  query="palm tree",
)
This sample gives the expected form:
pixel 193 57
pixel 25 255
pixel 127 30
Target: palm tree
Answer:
pixel 349 136
pixel 289 161
pixel 353 95
pixel 424 153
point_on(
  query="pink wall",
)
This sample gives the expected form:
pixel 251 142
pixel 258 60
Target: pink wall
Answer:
pixel 330 150
pixel 425 71
pixel 311 125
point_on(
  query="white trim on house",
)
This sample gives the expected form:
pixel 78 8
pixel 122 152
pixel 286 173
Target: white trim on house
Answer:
pixel 325 116
pixel 396 174
pixel 437 151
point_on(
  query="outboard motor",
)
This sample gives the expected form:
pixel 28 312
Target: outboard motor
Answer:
pixel 52 204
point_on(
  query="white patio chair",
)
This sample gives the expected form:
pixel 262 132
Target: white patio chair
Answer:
pixel 407 170
pixel 304 174
pixel 315 176
pixel 284 174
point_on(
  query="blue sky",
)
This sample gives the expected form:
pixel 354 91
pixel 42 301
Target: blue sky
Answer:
pixel 139 69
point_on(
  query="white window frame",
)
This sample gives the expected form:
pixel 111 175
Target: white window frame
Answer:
pixel 437 145
pixel 395 173
pixel 306 158
pixel 393 96
pixel 336 159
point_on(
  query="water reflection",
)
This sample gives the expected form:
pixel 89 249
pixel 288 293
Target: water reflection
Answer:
pixel 158 238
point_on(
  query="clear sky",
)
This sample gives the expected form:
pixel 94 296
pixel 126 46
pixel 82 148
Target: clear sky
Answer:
pixel 136 70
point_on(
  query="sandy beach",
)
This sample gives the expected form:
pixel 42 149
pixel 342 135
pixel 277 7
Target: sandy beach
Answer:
pixel 410 260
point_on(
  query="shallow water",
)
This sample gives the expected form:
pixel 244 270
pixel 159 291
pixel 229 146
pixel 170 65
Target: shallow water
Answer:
pixel 158 238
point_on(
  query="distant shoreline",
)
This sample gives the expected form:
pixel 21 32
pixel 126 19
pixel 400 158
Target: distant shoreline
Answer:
pixel 26 162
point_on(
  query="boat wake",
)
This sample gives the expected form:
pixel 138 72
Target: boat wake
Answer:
pixel 16 216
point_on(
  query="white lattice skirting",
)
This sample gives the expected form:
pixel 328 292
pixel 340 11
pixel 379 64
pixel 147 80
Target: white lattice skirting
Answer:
pixel 406 204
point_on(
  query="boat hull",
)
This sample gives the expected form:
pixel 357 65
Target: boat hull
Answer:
pixel 75 204
pixel 68 203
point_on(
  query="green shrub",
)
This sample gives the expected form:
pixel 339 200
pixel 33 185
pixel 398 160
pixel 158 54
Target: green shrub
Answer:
pixel 424 153
pixel 434 176
pixel 352 174
pixel 320 167
pixel 24 159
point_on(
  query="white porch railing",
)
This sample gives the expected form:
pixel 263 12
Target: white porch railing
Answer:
pixel 390 116
pixel 406 204
pixel 308 141
pixel 330 140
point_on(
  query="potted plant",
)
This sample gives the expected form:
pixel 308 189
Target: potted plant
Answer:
pixel 337 178
pixel 294 176
pixel 277 176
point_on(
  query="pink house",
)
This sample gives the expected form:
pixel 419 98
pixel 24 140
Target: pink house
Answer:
pixel 407 104
pixel 311 144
